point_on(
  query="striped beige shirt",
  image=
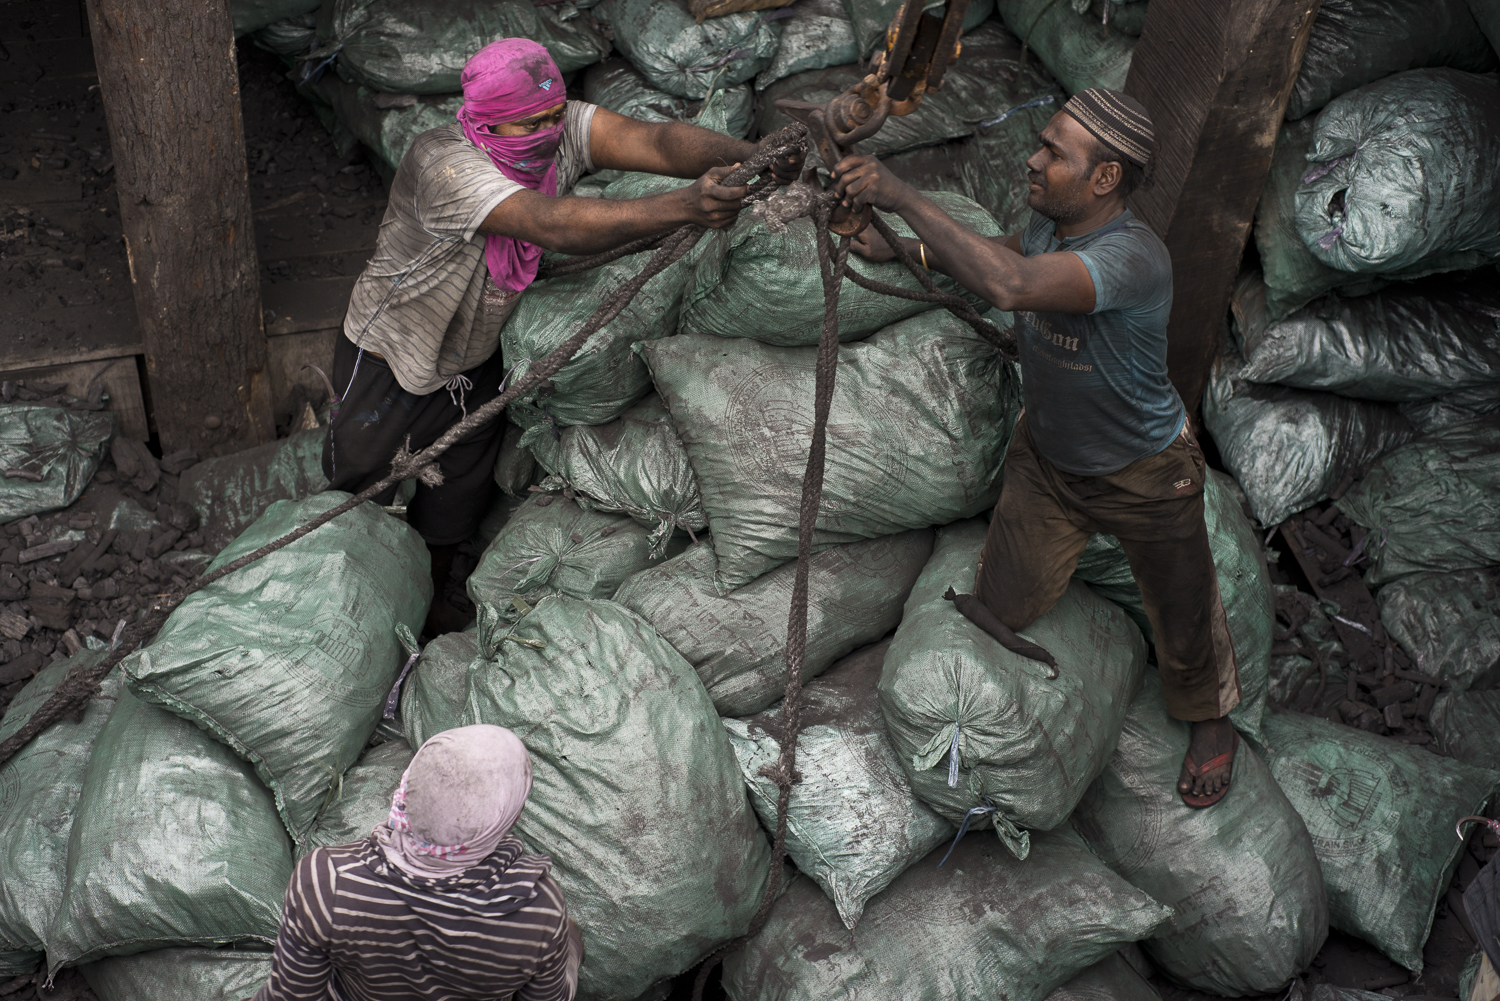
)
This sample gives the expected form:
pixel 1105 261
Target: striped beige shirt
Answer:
pixel 425 301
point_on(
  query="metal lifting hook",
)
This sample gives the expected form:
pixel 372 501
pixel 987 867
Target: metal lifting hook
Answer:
pixel 1493 825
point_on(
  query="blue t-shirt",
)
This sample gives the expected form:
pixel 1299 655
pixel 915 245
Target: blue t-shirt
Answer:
pixel 1096 387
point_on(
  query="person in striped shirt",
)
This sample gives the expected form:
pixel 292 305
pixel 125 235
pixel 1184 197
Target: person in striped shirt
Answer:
pixel 472 207
pixel 441 902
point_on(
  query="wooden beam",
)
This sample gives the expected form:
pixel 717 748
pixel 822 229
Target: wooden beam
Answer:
pixel 1216 76
pixel 171 98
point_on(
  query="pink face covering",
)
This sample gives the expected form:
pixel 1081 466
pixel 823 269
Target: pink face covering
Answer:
pixel 508 80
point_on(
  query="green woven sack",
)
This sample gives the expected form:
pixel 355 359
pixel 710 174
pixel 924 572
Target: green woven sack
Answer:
pixel 683 57
pixel 1113 978
pixel 289 660
pixel 252 15
pixel 765 285
pixel 552 546
pixel 354 111
pixel 230 492
pixel 635 465
pixel 984 927
pixel 363 800
pixel 737 641
pixel 180 975
pixel 1244 588
pixel 922 413
pixel 1433 504
pixel 432 698
pixel 1466 726
pixel 39 789
pixel 1242 877
pixel 1449 624
pixel 871 18
pixel 620 87
pixel 984 733
pixel 818 34
pixel 174 842
pixel 1080 51
pixel 1381 818
pixel 635 792
pixel 844 757
pixel 57 451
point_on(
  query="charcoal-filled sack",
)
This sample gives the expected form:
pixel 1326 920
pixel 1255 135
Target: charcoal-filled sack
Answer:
pixel 553 546
pixel 1242 878
pixel 363 799
pixel 432 698
pixel 1355 42
pixel 985 927
pixel 1444 411
pixel 1244 589
pixel 684 57
pixel 384 125
pixel 289 660
pixel 1406 342
pixel 1404 170
pixel 1433 504
pixel 180 975
pixel 39 789
pixel 1381 817
pixel 756 282
pixel 49 455
pixel 620 87
pixel 1466 726
pixel 737 641
pixel 853 824
pixel 985 732
pixel 921 416
pixel 174 842
pixel 818 34
pixel 421 46
pixel 1311 681
pixel 231 491
pixel 1288 448
pixel 1448 624
pixel 252 15
pixel 635 465
pixel 871 18
pixel 1113 978
pixel 1078 49
pixel 635 792
pixel 290 36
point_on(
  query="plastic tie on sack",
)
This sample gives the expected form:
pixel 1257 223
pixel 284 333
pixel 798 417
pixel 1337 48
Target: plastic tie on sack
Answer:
pixel 953 757
pixel 1331 237
pixel 1035 102
pixel 975 811
pixel 1318 170
pixel 409 643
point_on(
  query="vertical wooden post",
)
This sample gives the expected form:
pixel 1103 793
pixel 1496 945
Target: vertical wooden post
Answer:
pixel 172 101
pixel 1216 76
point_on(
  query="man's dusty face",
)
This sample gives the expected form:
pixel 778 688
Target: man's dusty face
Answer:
pixel 1061 173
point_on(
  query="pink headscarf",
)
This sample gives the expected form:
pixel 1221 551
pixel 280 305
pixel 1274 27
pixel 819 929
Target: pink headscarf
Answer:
pixel 458 798
pixel 507 80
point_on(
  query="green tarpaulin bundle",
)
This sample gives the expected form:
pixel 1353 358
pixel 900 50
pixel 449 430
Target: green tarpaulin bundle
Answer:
pixel 635 465
pixel 230 492
pixel 1381 818
pixel 1433 504
pixel 737 641
pixel 871 18
pixel 1466 726
pixel 289 659
pixel 1242 877
pixel 1448 624
pixel 620 87
pixel 432 697
pixel 921 415
pixel 984 733
pixel 818 34
pixel 553 546
pixel 683 57
pixel 756 282
pixel 1289 448
pixel 48 455
pixel 252 15
pixel 39 789
pixel 174 842
pixel 1079 50
pixel 635 792
pixel 1403 171
pixel 853 824
pixel 1428 416
pixel 984 927
pixel 386 128
pixel 1355 42
pixel 363 799
pixel 180 975
pixel 1244 589
pixel 405 47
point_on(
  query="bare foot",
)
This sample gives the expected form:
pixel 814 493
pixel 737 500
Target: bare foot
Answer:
pixel 1211 739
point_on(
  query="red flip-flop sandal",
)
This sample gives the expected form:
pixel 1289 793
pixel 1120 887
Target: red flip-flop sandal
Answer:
pixel 1195 770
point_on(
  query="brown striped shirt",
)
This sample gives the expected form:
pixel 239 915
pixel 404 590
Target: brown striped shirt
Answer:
pixel 425 301
pixel 355 928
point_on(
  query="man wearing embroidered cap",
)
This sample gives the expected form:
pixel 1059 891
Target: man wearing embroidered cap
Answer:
pixel 472 207
pixel 1103 444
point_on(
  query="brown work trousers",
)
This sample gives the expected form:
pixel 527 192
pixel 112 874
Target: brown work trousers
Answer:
pixel 1154 506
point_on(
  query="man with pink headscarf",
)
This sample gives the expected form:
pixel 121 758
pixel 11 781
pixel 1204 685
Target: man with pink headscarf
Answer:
pixel 472 207
pixel 440 903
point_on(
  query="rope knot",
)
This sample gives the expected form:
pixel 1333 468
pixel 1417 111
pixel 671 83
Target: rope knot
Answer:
pixel 779 775
pixel 409 465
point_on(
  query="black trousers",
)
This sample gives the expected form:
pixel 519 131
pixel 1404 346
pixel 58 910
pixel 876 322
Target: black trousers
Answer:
pixel 376 416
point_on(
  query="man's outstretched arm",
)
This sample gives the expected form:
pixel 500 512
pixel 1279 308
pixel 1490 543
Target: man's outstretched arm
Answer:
pixel 674 149
pixel 990 267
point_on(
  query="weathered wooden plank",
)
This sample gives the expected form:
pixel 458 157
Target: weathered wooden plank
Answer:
pixel 120 378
